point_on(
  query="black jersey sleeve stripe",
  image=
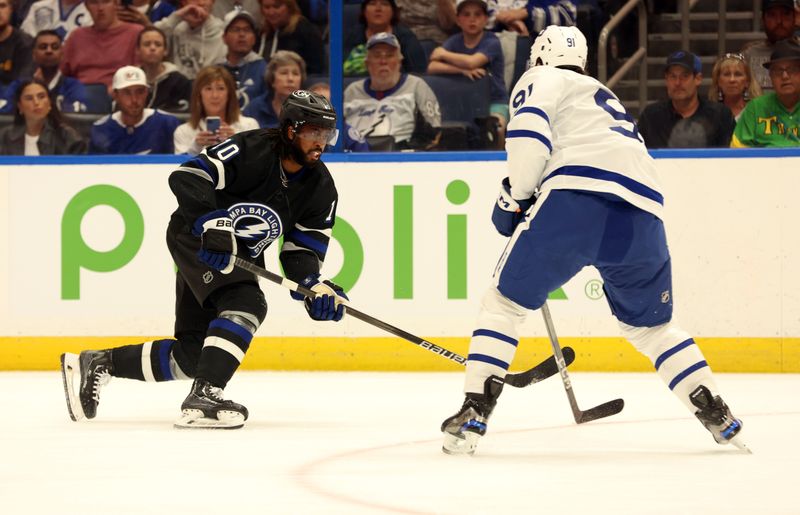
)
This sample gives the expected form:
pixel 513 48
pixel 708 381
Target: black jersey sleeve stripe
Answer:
pixel 200 167
pixel 315 241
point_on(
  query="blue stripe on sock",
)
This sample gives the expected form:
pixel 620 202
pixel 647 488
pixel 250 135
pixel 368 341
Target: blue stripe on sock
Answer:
pixel 164 350
pixel 227 325
pixel 497 336
pixel 663 357
pixel 488 359
pixel 680 377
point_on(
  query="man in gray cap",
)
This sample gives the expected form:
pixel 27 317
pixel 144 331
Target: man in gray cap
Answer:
pixel 685 119
pixel 777 17
pixel 772 120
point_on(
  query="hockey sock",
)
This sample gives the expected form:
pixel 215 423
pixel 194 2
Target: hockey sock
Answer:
pixel 677 358
pixel 226 343
pixel 149 361
pixel 494 341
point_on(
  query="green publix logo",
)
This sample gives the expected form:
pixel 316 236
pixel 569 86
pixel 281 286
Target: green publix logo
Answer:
pixel 77 255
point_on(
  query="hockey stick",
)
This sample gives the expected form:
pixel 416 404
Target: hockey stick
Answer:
pixel 541 371
pixel 603 410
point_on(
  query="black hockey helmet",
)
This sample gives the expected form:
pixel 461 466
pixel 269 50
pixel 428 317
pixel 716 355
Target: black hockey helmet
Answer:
pixel 302 107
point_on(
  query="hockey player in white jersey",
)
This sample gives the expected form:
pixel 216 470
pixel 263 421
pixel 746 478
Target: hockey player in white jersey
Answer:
pixel 581 190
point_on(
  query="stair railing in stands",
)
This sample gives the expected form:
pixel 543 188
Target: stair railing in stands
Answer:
pixel 639 56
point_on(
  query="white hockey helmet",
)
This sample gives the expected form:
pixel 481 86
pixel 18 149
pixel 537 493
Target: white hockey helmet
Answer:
pixel 559 46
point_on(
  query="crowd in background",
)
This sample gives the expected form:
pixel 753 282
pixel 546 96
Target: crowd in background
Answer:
pixel 174 76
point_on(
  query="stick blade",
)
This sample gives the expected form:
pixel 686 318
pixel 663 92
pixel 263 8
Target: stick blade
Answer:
pixel 606 409
pixel 540 372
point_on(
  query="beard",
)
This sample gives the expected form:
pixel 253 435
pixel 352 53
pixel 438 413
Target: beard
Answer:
pixel 301 157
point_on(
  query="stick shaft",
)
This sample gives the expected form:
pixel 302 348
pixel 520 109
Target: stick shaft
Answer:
pixel 353 312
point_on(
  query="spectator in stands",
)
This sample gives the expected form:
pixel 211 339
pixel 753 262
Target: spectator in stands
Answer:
pixel 474 52
pixel 353 141
pixel 68 93
pixel 92 54
pixel 169 89
pixel 434 20
pixel 772 119
pixel 381 16
pixel 134 128
pixel 63 16
pixel 285 28
pixel 214 94
pixel 777 17
pixel 246 66
pixel 399 107
pixel 732 83
pixel 194 36
pixel 38 129
pixel 223 7
pixel 685 119
pixel 530 16
pixel 145 12
pixel 15 48
pixel 286 72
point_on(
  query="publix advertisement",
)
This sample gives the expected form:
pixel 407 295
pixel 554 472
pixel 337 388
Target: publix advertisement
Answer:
pixel 85 253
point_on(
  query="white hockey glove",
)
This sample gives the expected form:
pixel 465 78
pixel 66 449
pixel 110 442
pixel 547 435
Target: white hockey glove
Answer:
pixel 217 240
pixel 330 301
pixel 509 212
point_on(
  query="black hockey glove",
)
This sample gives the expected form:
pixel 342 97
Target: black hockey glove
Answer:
pixel 508 213
pixel 217 240
pixel 330 302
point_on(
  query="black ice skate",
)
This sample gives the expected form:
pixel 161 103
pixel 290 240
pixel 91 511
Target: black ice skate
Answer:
pixel 717 418
pixel 83 377
pixel 463 430
pixel 205 408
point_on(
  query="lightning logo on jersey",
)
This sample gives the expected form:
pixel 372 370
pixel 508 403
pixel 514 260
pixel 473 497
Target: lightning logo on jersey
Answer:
pixel 256 224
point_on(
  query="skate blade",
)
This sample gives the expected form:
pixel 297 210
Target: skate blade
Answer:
pixel 458 445
pixel 737 442
pixel 70 364
pixel 195 419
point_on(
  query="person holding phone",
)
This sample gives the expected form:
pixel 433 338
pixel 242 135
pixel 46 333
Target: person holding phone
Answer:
pixel 214 112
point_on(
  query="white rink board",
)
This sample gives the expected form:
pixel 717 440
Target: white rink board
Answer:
pixel 730 224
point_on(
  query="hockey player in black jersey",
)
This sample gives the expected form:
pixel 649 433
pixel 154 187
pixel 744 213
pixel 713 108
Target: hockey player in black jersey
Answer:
pixel 234 199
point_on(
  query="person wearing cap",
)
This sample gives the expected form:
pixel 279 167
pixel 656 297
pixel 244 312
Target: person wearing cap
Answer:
pixel 398 107
pixel 38 129
pixel 133 128
pixel 169 89
pixel 777 18
pixel 245 66
pixel 685 119
pixel 194 36
pixel 773 119
pixel 379 16
pixel 92 54
pixel 475 52
pixel 285 28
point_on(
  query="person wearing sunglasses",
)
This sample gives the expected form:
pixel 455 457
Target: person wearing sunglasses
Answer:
pixel 777 18
pixel 732 83
pixel 773 119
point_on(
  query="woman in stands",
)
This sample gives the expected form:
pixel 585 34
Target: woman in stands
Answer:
pixel 381 16
pixel 285 28
pixel 213 96
pixel 38 128
pixel 732 83
pixel 286 72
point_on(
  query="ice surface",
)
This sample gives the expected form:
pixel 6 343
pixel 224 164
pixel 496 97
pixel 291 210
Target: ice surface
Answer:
pixel 356 443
